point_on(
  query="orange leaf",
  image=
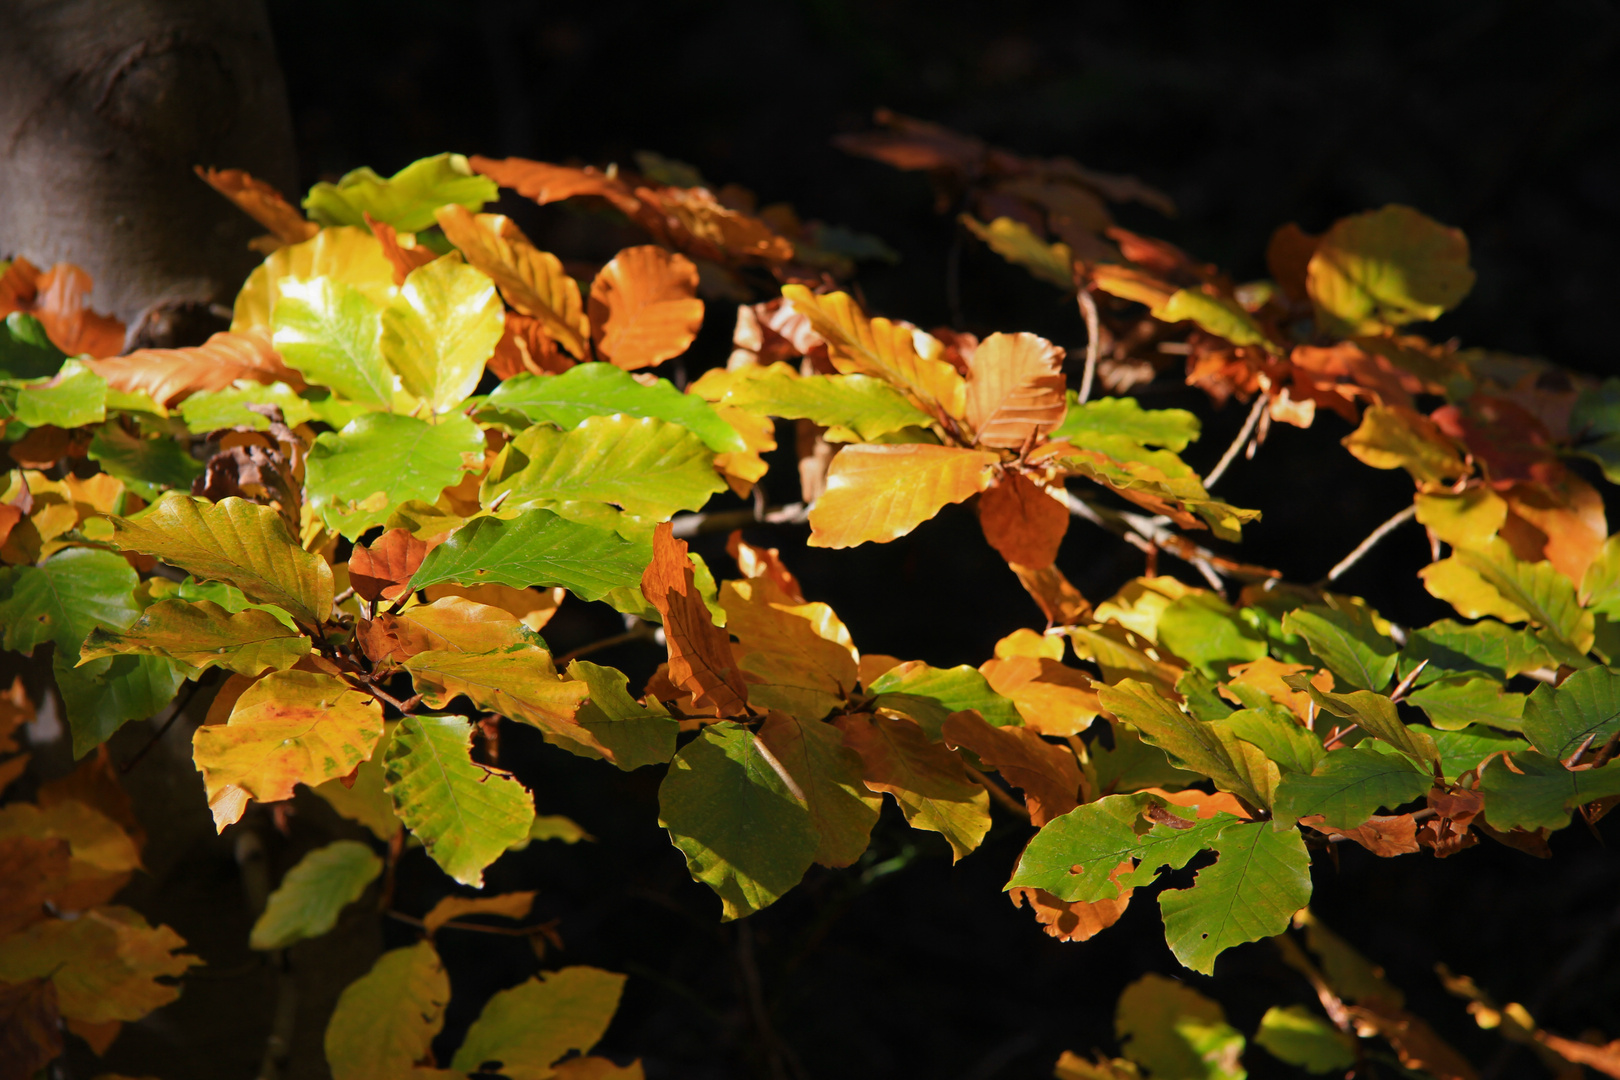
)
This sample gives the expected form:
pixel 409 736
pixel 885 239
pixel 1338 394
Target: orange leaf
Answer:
pixel 1047 774
pixel 404 259
pixel 525 346
pixel 546 183
pixel 1412 1039
pixel 1021 521
pixel 700 659
pixel 693 220
pixel 262 203
pixel 1060 602
pixel 878 493
pixel 385 568
pixel 644 307
pixel 72 326
pixel 19 287
pixel 1383 836
pixel 1079 920
pixel 514 905
pixel 169 376
pixel 758 562
pixel 1014 390
pixel 1287 256
pixel 1052 698
pixel 531 280
pixel 30 1026
pixel 1562 522
pixel 928 781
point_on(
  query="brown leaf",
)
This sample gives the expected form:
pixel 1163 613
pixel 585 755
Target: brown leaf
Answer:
pixel 514 905
pixel 1047 774
pixel 1603 1058
pixel 32 870
pixel 169 376
pixel 1024 523
pixel 404 259
pixel 1562 522
pixel 1412 1039
pixel 95 783
pixel 384 569
pixel 700 658
pixel 19 287
pixel 1060 602
pixel 1014 390
pixel 262 202
pixel 546 183
pixel 1078 920
pixel 774 331
pixel 928 781
pixel 914 145
pixel 1448 832
pixel 525 346
pixel 63 310
pixel 16 709
pixel 694 221
pixel 644 307
pixel 1385 837
pixel 1287 255
pixel 30 1032
pixel 877 493
pixel 531 280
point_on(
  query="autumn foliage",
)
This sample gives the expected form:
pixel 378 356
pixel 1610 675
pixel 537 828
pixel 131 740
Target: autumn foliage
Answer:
pixel 350 518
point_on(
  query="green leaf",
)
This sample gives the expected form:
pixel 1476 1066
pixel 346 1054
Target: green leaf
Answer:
pixel 405 200
pixel 1452 704
pixel 1075 855
pixel 464 815
pixel 331 332
pixel 357 476
pixel 1176 1033
pixel 1275 731
pixel 309 899
pixel 64 598
pixel 146 466
pixel 1132 764
pixel 928 695
pixel 745 832
pixel 203 635
pixel 637 734
pixel 1375 713
pixel 237 542
pixel 102 696
pixel 1586 705
pixel 1262 876
pixel 440 329
pixel 1489 647
pixel 74 398
pixel 1352 647
pixel 647 467
pixel 1295 1035
pixel 1349 786
pixel 1190 743
pixel 1215 314
pixel 554 827
pixel 1537 589
pixel 536 548
pixel 1541 794
pixel 1204 630
pixel 1463 750
pixel 828 773
pixel 1018 244
pixel 854 408
pixel 223 409
pixel 26 351
pixel 535 1023
pixel 385 1020
pixel 1172 429
pixel 1384 268
pixel 598 389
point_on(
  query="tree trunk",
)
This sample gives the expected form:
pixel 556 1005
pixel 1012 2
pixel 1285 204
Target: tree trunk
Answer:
pixel 106 108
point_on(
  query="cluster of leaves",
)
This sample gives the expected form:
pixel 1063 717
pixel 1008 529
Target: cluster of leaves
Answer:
pixel 363 503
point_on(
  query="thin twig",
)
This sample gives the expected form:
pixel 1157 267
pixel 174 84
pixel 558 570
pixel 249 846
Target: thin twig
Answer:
pixel 1367 545
pixel 642 631
pixel 508 931
pixel 1088 308
pixel 689 525
pixel 157 736
pixel 1149 534
pixel 1237 444
pixel 998 793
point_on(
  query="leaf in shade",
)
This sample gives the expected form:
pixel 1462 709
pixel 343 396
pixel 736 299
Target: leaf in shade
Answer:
pixel 464 815
pixel 168 376
pixel 1387 267
pixel 1022 521
pixel 1260 878
pixel 1046 773
pixel 203 635
pixel 314 893
pixel 103 695
pixel 644 307
pixel 1350 645
pixel 636 734
pixel 879 493
pixel 1205 630
pixel 1537 792
pixel 928 781
pixel 536 548
pixel 928 695
pixel 1453 704
pixel 888 350
pixel 587 390
pixel 647 467
pixel 1174 1031
pixel 237 542
pixel 357 476
pixel 1272 728
pixel 531 280
pixel 700 657
pixel 26 352
pixel 329 332
pixel 1071 921
pixel 528 1027
pixel 855 408
pixel 31 1025
pixel 828 774
pixel 738 817
pixel 1583 709
pixel 514 905
pixel 1377 716
pixel 104 964
pixel 288 728
pixel 64 598
pixel 1191 744
pixel 262 202
pixel 407 200
pixel 385 1021
pixel 1084 855
pixel 147 467
pixel 795 657
pixel 383 568
pixel 1349 786
pixel 440 329
pixel 1014 390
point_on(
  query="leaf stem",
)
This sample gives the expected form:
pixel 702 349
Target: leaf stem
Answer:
pixel 157 736
pixel 998 793
pixel 1088 308
pixel 641 631
pixel 1237 444
pixel 1367 545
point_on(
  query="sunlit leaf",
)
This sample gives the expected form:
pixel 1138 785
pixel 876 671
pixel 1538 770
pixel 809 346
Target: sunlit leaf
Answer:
pixel 1192 744
pixel 1172 429
pixel 1017 243
pixel 169 375
pixel 701 662
pixel 1349 785
pixel 346 254
pixel 262 202
pixel 1176 1032
pixel 75 397
pixel 1214 314
pixel 357 476
pixel 536 548
pixel 528 1027
pixel 1204 630
pixel 330 332
pixel 1539 793
pixel 879 493
pixel 309 899
pixel 587 390
pixel 636 734
pixel 1295 1035
pixel 405 200
pixel 1279 735
pixel 927 781
pixel 928 695
pixel 1015 390
pixel 1260 878
pixel 1387 267
pixel 440 329
pixel 531 280
pixel 782 648
pixel 1352 647
pixel 1046 773
pixel 1393 438
pixel 1584 707
pixel 644 307
pixel 1453 704
pixel 855 408
pixel 203 635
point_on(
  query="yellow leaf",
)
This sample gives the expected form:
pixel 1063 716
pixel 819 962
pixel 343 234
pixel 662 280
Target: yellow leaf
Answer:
pixel 532 280
pixel 514 905
pixel 1396 438
pixel 385 1020
pixel 1053 699
pixel 440 329
pixel 796 658
pixel 532 607
pixel 104 963
pixel 877 493
pixel 1387 267
pixel 1017 243
pixel 517 681
pixel 347 253
pixel 1467 519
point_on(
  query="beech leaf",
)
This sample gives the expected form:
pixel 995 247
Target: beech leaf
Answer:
pixel 1014 390
pixel 1046 773
pixel 1584 708
pixel 1176 1032
pixel 203 635
pixel 440 329
pixel 927 781
pixel 309 899
pixel 587 390
pixel 407 200
pixel 531 280
pixel 168 376
pixel 855 408
pixel 636 734
pixel 1539 793
pixel 330 332
pixel 1352 647
pixel 385 1021
pixel 828 774
pixel 530 1026
pixel 536 548
pixel 1022 520
pixel 357 476
pixel 104 964
pixel 1260 878
pixel 700 657
pixel 1348 786
pixel 1387 267
pixel 879 493
pixel 644 307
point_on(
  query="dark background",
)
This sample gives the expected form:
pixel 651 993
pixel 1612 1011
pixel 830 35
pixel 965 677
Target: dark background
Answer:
pixel 1502 118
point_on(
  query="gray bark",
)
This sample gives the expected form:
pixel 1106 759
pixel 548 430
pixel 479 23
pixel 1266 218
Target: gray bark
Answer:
pixel 105 107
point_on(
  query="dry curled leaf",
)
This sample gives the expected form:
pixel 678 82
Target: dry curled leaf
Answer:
pixel 700 659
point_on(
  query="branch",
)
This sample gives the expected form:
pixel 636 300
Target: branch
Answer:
pixel 508 931
pixel 1237 444
pixel 1148 534
pixel 1088 308
pixel 641 631
pixel 1372 539
pixel 689 525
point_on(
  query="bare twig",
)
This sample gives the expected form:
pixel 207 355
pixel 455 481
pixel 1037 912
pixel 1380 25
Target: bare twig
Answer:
pixel 998 793
pixel 1237 444
pixel 1151 534
pixel 640 631
pixel 1088 308
pixel 689 525
pixel 507 931
pixel 1367 545
pixel 157 736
